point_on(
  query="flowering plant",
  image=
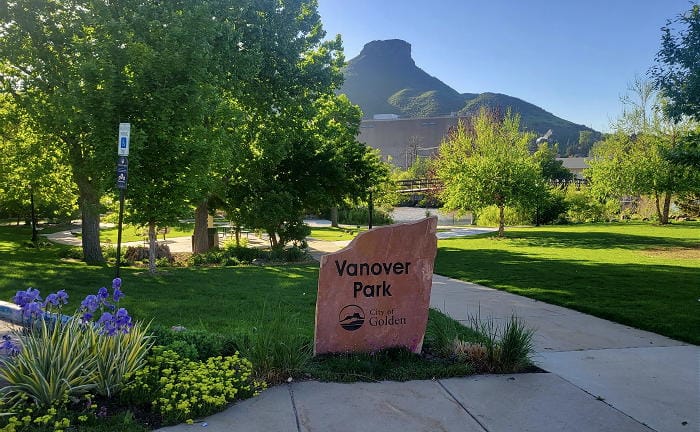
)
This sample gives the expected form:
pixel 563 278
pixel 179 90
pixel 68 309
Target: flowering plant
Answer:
pixel 109 323
pixel 93 350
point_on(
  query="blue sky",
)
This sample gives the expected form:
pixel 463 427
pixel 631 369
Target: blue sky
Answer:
pixel 572 58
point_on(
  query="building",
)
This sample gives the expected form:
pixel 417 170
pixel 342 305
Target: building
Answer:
pixel 576 165
pixel 401 141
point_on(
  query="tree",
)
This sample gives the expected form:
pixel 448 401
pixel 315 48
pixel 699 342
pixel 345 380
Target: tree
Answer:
pixel 299 149
pixel 182 55
pixel 677 70
pixel 633 161
pixel 34 181
pixel 486 162
pixel 61 64
pixel 552 169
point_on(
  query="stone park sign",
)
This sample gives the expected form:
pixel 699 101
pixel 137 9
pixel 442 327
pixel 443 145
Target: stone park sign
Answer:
pixel 375 293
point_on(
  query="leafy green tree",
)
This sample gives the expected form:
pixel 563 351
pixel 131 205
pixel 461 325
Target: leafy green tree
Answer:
pixel 299 149
pixel 633 161
pixel 486 162
pixel 552 169
pixel 34 180
pixel 182 56
pixel 62 64
pixel 677 70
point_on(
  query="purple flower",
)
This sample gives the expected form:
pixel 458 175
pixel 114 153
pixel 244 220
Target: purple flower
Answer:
pixel 102 294
pixel 51 300
pixel 90 304
pixel 116 283
pixel 87 316
pixel 62 296
pixel 9 346
pixel 118 294
pixel 107 324
pixel 32 310
pixel 23 298
pixel 123 320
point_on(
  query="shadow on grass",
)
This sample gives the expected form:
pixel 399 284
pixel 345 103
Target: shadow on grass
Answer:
pixel 658 298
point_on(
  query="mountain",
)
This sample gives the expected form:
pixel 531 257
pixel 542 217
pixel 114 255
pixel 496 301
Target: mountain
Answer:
pixel 384 79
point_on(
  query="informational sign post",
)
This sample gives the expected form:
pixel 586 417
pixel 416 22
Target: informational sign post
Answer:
pixel 122 178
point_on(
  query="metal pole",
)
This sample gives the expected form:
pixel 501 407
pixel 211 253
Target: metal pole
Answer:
pixel 119 229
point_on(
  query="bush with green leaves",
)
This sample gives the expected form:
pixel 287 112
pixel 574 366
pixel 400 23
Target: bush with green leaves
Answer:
pixel 194 344
pixel 181 390
pixel 360 216
pixel 551 208
pixel 277 347
pixel 583 207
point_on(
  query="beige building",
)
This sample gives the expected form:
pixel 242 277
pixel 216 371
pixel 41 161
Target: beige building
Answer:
pixel 401 141
pixel 576 165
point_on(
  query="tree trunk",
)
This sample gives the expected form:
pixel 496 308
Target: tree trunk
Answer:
pixel 89 202
pixel 659 215
pixel 666 209
pixel 501 220
pixel 34 231
pixel 273 239
pixel 334 216
pixel 152 247
pixel 200 243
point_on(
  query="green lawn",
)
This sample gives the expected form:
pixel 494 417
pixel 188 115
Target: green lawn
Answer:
pixel 219 299
pixel 132 233
pixel 334 234
pixel 638 274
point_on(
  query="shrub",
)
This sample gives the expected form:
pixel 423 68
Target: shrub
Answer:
pixel 71 253
pixel 206 344
pixel 499 349
pixel 551 208
pixel 243 254
pixel 583 208
pixel 139 253
pixel 360 216
pixel 277 348
pixel 181 389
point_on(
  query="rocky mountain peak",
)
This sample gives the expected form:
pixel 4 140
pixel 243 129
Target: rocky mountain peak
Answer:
pixel 393 50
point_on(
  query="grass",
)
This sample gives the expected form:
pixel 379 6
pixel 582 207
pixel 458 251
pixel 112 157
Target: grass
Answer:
pixel 334 234
pixel 637 274
pixel 131 233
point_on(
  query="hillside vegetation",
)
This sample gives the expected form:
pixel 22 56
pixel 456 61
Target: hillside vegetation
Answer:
pixel 384 79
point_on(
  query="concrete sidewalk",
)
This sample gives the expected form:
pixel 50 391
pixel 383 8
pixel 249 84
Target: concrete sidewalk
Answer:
pixel 603 377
